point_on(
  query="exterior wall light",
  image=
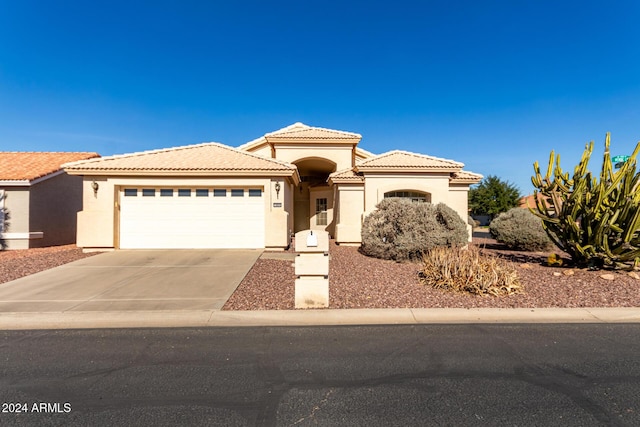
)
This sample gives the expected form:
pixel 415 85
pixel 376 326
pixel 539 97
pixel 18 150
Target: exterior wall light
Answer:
pixel 95 187
pixel 277 190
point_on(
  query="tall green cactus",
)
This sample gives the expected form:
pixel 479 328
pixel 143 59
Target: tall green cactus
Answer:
pixel 596 222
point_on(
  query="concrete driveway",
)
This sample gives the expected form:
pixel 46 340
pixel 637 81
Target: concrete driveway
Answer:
pixel 133 280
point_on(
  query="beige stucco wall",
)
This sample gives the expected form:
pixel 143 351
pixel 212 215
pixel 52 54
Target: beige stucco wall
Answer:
pixel 376 185
pixel 340 154
pixel 349 213
pixel 459 201
pixel 263 150
pixel 355 201
pixel 98 221
pixel 277 213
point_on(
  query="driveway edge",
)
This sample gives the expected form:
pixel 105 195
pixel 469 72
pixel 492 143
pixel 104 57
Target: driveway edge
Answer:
pixel 401 316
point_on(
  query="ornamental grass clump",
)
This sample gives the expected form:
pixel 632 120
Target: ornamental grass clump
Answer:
pixel 521 230
pixel 468 270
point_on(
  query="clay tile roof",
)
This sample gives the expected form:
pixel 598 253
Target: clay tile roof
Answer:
pixel 530 201
pixel 302 131
pixel 200 159
pixel 27 166
pixel 346 175
pixel 262 140
pixel 404 160
pixel 465 177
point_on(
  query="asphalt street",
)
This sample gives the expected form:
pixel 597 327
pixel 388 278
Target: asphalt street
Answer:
pixel 547 374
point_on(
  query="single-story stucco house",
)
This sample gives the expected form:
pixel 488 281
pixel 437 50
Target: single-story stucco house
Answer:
pixel 254 196
pixel 38 200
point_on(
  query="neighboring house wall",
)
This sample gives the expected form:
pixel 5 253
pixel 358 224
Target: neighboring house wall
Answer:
pixel 16 202
pixel 53 205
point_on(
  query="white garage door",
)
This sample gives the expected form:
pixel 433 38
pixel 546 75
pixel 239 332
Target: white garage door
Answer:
pixel 191 218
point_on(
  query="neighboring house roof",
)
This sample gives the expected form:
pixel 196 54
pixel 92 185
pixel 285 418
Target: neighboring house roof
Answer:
pixel 299 132
pixel 530 201
pixel 30 166
pixel 398 160
pixel 465 177
pixel 346 176
pixel 210 158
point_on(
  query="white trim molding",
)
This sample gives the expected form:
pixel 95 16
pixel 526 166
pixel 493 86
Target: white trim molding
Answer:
pixel 32 235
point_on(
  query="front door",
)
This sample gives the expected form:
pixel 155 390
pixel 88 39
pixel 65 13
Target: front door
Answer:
pixel 321 209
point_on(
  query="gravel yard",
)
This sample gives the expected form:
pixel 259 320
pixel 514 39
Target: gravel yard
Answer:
pixel 357 281
pixel 23 262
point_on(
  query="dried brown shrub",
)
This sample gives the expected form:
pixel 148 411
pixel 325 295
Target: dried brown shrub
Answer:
pixel 467 270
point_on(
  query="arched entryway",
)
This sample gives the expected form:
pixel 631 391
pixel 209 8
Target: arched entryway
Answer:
pixel 313 200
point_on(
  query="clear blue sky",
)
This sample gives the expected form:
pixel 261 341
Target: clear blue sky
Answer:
pixel 493 84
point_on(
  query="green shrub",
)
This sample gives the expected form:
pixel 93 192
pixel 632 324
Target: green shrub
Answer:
pixel 520 229
pixel 467 270
pixel 400 229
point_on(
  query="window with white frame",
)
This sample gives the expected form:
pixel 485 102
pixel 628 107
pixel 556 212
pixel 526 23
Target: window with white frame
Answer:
pixel 321 211
pixel 415 196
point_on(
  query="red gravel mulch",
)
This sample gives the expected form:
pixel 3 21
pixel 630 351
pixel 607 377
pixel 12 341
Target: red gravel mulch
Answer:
pixel 18 263
pixel 358 281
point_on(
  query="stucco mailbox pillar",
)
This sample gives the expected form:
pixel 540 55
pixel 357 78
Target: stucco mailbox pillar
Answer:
pixel 312 269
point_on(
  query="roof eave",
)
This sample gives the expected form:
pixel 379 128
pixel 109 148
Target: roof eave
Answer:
pixel 356 181
pixel 178 173
pixel 298 140
pixel 14 183
pixel 399 169
pixel 30 181
pixel 465 181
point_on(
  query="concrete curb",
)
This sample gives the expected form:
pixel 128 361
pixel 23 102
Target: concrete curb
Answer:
pixel 402 316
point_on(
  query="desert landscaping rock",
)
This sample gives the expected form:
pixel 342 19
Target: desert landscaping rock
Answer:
pixel 357 281
pixel 23 262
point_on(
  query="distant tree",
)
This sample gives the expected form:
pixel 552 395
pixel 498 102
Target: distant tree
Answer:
pixel 493 196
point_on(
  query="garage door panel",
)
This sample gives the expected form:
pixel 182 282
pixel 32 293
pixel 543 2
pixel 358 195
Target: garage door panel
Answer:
pixel 191 222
